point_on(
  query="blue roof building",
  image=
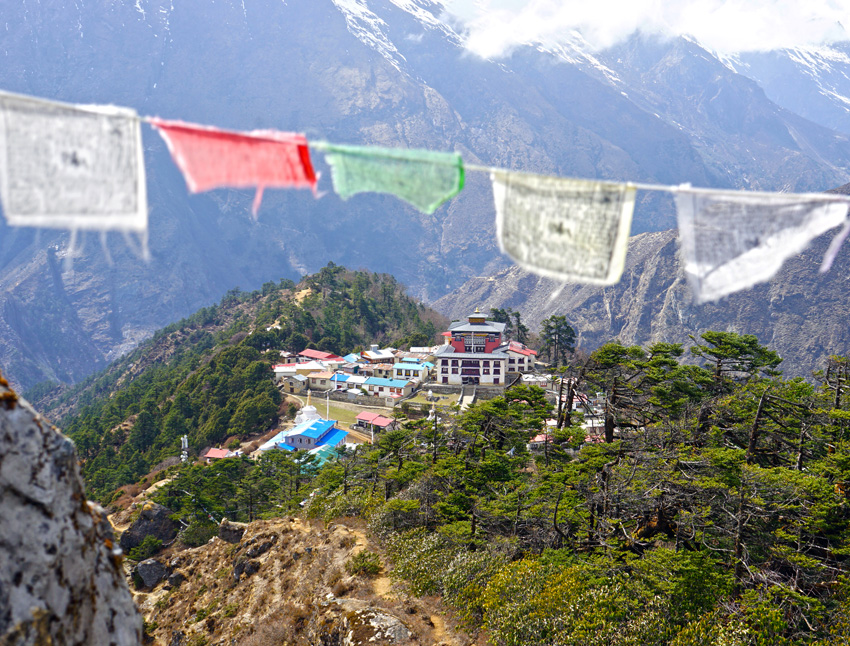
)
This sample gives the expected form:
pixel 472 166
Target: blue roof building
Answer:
pixel 307 435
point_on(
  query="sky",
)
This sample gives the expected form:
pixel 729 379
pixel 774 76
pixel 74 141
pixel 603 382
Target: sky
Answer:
pixel 495 27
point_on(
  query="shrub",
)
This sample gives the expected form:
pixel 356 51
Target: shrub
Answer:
pixel 198 534
pixel 364 563
pixel 149 546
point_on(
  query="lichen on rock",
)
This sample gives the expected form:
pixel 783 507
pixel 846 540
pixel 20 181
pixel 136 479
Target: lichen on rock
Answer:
pixel 61 580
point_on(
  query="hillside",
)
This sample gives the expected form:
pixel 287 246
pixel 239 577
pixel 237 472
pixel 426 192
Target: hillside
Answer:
pixel 296 591
pixel 694 505
pixel 209 376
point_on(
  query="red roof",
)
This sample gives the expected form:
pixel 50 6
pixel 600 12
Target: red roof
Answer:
pixel 374 418
pixel 446 334
pixel 215 454
pixel 515 346
pixel 319 355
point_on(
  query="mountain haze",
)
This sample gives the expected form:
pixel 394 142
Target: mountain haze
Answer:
pixel 390 73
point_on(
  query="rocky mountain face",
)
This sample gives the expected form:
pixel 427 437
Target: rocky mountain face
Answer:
pixel 384 72
pixel 801 313
pixel 61 580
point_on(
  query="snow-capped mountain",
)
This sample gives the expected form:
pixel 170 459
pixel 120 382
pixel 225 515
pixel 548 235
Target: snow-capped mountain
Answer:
pixel 382 72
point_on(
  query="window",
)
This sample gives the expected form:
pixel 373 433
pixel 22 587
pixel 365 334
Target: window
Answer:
pixel 495 380
pixel 486 371
pixel 486 364
pixel 497 370
pixel 445 380
pixel 454 362
pixel 444 370
pixel 454 371
pixel 510 360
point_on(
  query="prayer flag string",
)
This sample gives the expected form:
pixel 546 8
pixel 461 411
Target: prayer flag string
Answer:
pixel 81 167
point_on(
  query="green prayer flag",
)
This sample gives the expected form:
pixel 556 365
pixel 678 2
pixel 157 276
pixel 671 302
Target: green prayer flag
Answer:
pixel 423 178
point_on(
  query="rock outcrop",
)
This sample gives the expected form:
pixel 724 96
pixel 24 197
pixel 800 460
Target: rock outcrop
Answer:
pixel 154 520
pixel 61 580
pixel 231 532
pixel 150 572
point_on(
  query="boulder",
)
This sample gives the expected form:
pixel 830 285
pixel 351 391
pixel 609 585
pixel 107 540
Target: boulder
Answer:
pixel 231 532
pixel 245 567
pixel 61 579
pixel 150 572
pixel 351 622
pixel 176 579
pixel 154 520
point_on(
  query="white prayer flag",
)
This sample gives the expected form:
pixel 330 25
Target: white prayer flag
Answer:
pixel 731 241
pixel 67 166
pixel 567 229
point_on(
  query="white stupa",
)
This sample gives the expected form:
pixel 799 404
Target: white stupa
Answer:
pixel 308 413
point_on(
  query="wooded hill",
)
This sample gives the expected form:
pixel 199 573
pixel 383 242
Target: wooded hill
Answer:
pixel 712 509
pixel 209 376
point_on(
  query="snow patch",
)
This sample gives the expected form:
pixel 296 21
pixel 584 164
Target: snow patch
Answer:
pixel 576 51
pixel 368 28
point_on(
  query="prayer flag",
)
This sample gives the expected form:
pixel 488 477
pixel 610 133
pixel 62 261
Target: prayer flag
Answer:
pixel 731 241
pixel 567 229
pixel 64 165
pixel 210 158
pixel 422 178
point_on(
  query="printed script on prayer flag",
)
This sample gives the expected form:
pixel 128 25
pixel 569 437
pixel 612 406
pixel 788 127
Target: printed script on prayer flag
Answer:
pixel 732 241
pixel 423 178
pixel 210 158
pixel 76 167
pixel 566 229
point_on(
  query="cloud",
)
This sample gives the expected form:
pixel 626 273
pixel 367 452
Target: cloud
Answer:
pixel 495 27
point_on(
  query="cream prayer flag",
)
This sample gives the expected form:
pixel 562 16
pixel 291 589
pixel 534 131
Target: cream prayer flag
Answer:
pixel 67 166
pixel 567 229
pixel 730 241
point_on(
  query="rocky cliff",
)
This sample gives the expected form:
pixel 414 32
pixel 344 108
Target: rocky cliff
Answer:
pixel 61 577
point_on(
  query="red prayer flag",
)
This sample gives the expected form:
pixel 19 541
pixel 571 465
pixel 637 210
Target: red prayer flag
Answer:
pixel 212 158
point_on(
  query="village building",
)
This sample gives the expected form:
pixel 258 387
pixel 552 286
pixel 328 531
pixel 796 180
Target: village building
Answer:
pixel 350 368
pixel 356 383
pixel 319 355
pixel 320 380
pixel 383 370
pixel 308 435
pixel 373 422
pixel 294 384
pixel 472 353
pixel 374 355
pixel 216 454
pixel 282 370
pixel 340 381
pixel 411 370
pixel 521 358
pixel 388 387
